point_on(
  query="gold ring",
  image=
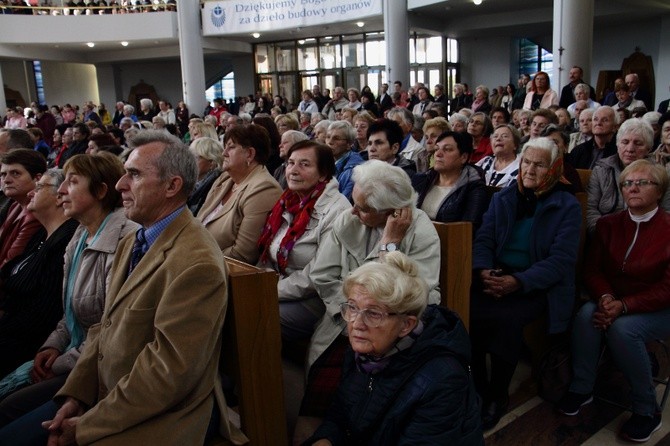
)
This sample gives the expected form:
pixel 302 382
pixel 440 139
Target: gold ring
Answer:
pixel 395 214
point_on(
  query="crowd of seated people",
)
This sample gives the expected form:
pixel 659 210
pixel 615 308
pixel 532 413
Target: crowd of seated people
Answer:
pixel 88 7
pixel 315 193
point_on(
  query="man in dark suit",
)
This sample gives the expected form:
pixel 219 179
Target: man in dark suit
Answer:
pixel 637 92
pixel 664 106
pixel 568 92
pixel 149 370
pixel 440 97
pixel 384 99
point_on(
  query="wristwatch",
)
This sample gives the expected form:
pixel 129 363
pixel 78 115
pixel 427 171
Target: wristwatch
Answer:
pixel 388 247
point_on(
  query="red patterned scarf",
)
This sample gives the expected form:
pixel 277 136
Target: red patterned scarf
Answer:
pixel 301 210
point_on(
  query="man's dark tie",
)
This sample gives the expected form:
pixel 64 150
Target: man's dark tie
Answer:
pixel 139 248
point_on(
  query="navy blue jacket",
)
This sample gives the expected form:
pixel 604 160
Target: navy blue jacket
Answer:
pixel 425 396
pixel 344 171
pixel 467 202
pixel 554 241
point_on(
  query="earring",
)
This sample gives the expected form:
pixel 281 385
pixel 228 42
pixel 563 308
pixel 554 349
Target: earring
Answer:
pixel 248 163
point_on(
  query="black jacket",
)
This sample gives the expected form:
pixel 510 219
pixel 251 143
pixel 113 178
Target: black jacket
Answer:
pixel 467 202
pixel 581 156
pixel 424 396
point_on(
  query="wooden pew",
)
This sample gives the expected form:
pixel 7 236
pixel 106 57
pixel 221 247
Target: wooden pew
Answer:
pixel 251 353
pixel 456 267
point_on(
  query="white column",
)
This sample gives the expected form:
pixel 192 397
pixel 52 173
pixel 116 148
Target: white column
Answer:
pixel 572 39
pixel 191 55
pixel 3 99
pixel 396 34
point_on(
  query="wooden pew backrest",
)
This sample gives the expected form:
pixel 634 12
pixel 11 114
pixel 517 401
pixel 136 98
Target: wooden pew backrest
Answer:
pixel 251 352
pixel 456 267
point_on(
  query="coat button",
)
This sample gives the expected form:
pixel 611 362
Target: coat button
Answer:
pixel 108 323
pixel 100 356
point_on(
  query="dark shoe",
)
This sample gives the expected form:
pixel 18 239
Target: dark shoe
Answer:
pixel 572 402
pixel 639 428
pixel 493 412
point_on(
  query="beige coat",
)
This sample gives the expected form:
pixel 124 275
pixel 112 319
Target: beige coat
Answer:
pixel 149 370
pixel 238 225
pixel 345 249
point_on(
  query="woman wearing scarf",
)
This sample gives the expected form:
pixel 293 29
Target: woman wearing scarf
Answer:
pixel 414 356
pixel 524 258
pixel 295 227
pixel 88 196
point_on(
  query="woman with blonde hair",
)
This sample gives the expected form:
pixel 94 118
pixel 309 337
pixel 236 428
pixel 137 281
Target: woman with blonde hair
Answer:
pixel 208 153
pixel 414 355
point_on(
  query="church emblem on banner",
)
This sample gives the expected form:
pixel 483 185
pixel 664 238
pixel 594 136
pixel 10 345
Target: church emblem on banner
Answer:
pixel 218 16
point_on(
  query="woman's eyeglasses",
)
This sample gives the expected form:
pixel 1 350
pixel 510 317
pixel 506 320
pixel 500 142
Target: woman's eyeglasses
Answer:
pixel 639 183
pixel 371 317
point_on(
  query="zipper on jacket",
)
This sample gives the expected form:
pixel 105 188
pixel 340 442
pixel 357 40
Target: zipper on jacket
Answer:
pixel 370 384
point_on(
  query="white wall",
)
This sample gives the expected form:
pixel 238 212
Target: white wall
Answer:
pixel 611 45
pixel 69 83
pixel 14 77
pixel 486 61
pixel 243 67
pixel 165 76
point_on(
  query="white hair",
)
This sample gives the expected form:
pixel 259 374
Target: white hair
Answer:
pixel 348 129
pixel 384 186
pixel 542 143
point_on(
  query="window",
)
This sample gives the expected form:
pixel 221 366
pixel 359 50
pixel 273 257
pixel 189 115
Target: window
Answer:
pixel 534 58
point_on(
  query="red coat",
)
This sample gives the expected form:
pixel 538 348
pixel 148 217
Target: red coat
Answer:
pixel 643 281
pixel 15 233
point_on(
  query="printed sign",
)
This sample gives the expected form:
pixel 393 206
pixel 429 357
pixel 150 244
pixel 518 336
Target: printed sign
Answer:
pixel 249 16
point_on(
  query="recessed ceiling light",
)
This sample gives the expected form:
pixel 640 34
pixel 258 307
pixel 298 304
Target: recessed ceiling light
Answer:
pixel 256 35
pixel 360 24
pixel 90 44
pixel 124 43
pixel 477 2
pixel 301 42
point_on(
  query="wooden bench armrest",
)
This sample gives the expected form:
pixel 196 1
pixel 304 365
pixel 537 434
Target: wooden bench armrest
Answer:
pixel 456 266
pixel 251 352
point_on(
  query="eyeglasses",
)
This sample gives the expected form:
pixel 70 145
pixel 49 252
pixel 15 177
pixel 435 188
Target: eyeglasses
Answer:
pixel 639 183
pixel 371 317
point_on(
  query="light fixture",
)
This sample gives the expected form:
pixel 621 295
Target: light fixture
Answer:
pixel 256 35
pixel 477 2
pixel 301 42
pixel 124 43
pixel 90 44
pixel 360 24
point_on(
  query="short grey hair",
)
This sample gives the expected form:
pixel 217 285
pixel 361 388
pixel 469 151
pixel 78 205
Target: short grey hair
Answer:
pixel 542 143
pixel 147 102
pixel 348 129
pixel 176 159
pixel 639 127
pixel 617 119
pixel 587 112
pixel 384 186
pixel 129 108
pixel 57 176
pixel 293 136
pixel 406 115
pixel 583 88
pixel 458 117
pixel 323 123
